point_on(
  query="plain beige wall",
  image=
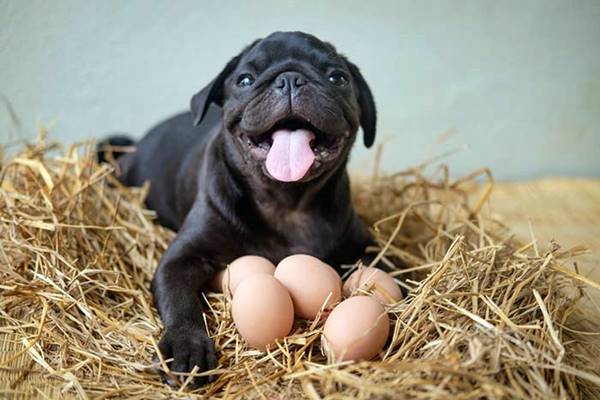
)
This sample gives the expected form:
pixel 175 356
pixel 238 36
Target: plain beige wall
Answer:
pixel 517 82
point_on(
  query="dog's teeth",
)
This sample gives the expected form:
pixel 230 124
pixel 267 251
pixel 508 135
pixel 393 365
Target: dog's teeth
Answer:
pixel 264 145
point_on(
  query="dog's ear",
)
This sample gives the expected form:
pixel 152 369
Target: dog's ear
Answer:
pixel 214 91
pixel 211 93
pixel 368 113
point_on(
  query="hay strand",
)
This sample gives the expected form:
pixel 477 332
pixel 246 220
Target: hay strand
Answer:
pixel 485 317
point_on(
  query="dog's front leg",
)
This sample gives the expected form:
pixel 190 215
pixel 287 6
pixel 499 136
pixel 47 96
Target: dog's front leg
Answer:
pixel 182 275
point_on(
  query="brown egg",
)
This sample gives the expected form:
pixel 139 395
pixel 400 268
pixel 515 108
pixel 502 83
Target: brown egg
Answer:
pixel 310 281
pixel 228 279
pixel 375 281
pixel 356 329
pixel 262 310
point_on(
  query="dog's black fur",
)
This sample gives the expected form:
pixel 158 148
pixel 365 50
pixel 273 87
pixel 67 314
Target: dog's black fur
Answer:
pixel 208 179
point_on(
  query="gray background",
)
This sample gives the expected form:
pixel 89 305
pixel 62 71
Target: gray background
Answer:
pixel 514 84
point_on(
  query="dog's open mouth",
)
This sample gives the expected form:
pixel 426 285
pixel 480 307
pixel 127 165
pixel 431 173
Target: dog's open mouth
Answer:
pixel 291 147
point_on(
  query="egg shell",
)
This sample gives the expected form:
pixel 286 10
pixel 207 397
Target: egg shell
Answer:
pixel 262 310
pixel 356 329
pixel 309 282
pixel 240 269
pixel 381 285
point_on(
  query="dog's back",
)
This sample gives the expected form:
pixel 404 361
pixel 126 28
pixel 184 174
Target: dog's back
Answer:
pixel 161 157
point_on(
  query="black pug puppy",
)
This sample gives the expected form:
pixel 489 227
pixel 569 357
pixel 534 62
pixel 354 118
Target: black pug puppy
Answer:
pixel 263 173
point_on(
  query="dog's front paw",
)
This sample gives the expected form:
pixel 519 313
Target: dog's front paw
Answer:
pixel 183 348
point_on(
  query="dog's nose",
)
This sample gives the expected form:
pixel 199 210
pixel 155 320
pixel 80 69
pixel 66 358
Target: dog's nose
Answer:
pixel 289 81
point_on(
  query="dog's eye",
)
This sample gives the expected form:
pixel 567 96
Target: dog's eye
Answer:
pixel 338 78
pixel 245 80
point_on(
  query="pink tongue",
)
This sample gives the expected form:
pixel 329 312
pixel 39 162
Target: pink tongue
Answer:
pixel 290 156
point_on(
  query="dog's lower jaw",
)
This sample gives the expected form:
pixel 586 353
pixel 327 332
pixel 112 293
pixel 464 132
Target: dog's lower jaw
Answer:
pixel 250 164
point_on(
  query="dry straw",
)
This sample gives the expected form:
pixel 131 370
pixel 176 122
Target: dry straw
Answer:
pixel 486 316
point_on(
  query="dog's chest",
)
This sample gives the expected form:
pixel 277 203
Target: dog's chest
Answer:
pixel 294 231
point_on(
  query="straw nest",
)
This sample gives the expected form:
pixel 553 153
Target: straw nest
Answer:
pixel 486 316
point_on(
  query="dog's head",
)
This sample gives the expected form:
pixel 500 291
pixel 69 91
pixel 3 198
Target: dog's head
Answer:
pixel 292 106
